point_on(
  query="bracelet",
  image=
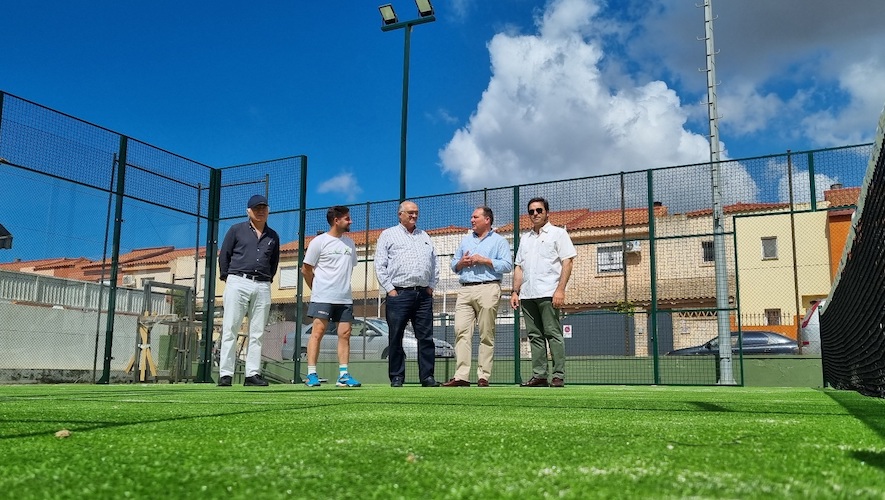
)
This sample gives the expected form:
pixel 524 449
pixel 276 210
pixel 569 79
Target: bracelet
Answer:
pixel 515 291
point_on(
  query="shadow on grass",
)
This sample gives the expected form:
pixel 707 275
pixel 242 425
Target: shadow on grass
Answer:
pixel 710 406
pixel 870 411
pixel 874 458
pixel 92 425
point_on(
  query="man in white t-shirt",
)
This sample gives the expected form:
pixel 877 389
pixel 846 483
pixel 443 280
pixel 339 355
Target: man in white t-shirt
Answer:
pixel 543 268
pixel 328 266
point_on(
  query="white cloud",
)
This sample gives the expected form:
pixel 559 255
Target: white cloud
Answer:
pixel 549 112
pixel 344 184
pixel 745 110
pixel 852 123
pixel 802 186
pixel 807 72
pixel 441 115
pixel 460 8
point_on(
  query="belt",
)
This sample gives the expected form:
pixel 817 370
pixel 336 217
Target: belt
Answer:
pixel 480 283
pixel 253 277
pixel 415 288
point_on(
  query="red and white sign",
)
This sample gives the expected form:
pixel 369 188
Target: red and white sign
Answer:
pixel 566 331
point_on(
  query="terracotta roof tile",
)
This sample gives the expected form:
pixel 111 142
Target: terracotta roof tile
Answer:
pixel 139 254
pixel 449 230
pixel 43 264
pixel 63 268
pixel 564 218
pixel 614 218
pixel 360 238
pixel 165 258
pixel 842 197
pixel 740 207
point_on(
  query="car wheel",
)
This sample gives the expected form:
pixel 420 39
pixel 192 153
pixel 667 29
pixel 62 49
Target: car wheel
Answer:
pixel 304 354
pixel 385 352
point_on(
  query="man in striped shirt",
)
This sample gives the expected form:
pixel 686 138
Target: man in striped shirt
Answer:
pixel 405 263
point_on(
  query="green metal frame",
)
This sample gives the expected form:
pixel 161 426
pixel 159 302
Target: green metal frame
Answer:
pixel 115 260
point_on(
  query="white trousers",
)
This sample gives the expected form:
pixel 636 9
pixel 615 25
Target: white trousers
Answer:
pixel 243 297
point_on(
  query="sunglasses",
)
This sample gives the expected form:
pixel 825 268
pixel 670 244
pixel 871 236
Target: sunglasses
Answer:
pixel 533 211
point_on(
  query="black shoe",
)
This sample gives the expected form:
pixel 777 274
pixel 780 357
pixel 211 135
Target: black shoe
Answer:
pixel 225 381
pixel 430 382
pixel 255 381
pixel 396 382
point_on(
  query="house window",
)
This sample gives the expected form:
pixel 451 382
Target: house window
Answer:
pixel 769 248
pixel 610 259
pixel 289 277
pixel 707 250
pixel 772 316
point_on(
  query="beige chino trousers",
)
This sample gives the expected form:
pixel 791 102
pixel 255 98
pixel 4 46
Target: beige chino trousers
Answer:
pixel 476 305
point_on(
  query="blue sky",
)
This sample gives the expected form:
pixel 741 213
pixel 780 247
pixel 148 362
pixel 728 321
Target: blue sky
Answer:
pixel 502 92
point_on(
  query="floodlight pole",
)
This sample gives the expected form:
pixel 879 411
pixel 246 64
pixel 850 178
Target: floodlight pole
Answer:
pixel 726 368
pixel 407 25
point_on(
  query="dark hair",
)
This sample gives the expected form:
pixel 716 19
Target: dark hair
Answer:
pixel 537 199
pixel 336 212
pixel 488 213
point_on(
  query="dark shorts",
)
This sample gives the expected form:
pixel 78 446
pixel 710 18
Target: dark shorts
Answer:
pixel 332 312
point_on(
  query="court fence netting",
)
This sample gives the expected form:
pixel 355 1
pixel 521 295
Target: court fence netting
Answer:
pixel 112 276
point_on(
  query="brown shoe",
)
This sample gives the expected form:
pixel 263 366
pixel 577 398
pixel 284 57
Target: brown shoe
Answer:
pixel 456 382
pixel 482 383
pixel 557 382
pixel 535 382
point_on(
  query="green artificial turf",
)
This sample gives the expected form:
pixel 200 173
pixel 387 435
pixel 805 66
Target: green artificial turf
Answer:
pixel 201 441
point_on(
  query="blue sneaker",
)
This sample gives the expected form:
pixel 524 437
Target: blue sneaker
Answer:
pixel 313 380
pixel 347 381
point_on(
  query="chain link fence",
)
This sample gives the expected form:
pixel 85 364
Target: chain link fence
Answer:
pixel 103 215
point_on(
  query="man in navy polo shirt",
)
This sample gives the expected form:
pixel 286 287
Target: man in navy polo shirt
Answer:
pixel 248 261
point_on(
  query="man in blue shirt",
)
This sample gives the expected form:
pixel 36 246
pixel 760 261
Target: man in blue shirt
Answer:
pixel 480 262
pixel 248 261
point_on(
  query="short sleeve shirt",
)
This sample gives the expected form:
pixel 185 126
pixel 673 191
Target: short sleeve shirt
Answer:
pixel 333 260
pixel 540 256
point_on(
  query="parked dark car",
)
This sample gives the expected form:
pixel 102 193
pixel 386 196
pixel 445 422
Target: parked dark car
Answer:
pixel 753 342
pixel 368 340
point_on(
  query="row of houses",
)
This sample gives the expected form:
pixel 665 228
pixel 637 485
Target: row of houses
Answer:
pixel 775 257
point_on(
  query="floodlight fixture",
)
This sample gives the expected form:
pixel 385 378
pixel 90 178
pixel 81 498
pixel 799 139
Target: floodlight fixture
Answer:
pixel 5 239
pixel 388 16
pixel 391 23
pixel 424 7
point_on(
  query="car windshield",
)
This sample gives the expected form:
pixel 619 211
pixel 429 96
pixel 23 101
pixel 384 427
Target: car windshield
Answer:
pixel 381 325
pixel 714 343
pixel 378 324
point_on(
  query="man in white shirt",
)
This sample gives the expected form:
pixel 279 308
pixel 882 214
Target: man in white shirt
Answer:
pixel 328 267
pixel 543 267
pixel 405 263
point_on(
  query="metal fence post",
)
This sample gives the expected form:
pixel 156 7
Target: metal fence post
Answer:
pixel 115 261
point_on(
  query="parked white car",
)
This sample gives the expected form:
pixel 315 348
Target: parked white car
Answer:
pixel 369 339
pixel 810 328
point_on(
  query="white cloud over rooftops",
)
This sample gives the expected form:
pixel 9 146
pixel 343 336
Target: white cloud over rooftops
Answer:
pixel 549 112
